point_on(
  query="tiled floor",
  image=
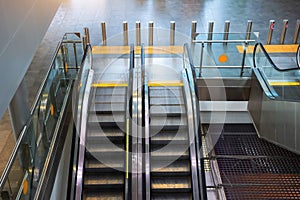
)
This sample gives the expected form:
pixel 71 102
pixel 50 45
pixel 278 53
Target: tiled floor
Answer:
pixel 73 15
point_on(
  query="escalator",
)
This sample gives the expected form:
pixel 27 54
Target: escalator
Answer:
pixel 104 166
pixel 169 142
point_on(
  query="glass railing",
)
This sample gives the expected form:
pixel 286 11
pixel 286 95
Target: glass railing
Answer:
pixel 282 81
pixel 23 171
pixel 223 54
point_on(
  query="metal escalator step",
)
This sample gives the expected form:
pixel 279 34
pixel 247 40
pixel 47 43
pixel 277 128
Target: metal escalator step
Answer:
pixel 104 180
pixel 156 129
pixel 167 136
pixel 111 91
pixel 170 174
pixel 171 195
pixel 104 125
pixel 171 183
pixel 114 98
pixel 114 164
pixel 99 107
pixel 108 195
pixel 168 121
pixel 114 117
pixel 173 100
pixel 165 92
pixel 174 166
pixel 99 171
pixel 166 109
pixel 107 132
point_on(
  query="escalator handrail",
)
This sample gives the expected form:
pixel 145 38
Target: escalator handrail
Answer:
pixel 192 80
pixel 260 45
pixel 298 56
pixel 82 133
pixel 128 118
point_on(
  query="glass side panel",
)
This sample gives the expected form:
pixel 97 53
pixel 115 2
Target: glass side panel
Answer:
pixel 27 165
pixel 284 84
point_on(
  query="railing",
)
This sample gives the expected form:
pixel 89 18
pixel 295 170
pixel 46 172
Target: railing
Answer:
pixel 83 86
pixel 128 119
pixel 228 56
pixel 274 75
pixel 194 95
pixel 21 176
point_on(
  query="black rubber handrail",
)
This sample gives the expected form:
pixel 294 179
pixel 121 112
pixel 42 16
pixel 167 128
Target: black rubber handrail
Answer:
pixel 131 65
pixel 270 59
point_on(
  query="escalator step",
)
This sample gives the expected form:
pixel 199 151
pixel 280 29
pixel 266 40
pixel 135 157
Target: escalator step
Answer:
pixel 170 174
pixel 107 195
pixel 171 195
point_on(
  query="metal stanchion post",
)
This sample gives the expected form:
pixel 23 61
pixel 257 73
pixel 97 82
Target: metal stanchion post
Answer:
pixel 138 33
pixel 283 32
pixel 296 35
pixel 103 27
pixel 151 24
pixel 271 28
pixel 226 30
pixel 87 33
pixel 248 31
pixel 172 32
pixel 210 30
pixel 201 58
pixel 125 33
pixel 193 30
pixel 84 42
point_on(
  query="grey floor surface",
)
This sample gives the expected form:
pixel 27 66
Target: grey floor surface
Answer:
pixel 74 15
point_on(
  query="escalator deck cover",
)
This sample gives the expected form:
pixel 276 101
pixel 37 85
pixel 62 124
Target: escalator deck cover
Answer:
pixel 252 168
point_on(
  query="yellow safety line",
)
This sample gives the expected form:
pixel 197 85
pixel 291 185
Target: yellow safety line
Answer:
pixel 127 147
pixel 167 83
pixel 277 83
pixel 272 48
pixel 109 85
pixel 148 49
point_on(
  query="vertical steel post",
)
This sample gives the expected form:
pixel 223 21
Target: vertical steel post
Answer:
pixel 103 27
pixel 193 30
pixel 244 58
pixel 172 32
pixel 248 31
pixel 75 55
pixel 84 42
pixel 296 35
pixel 125 33
pixel 226 30
pixel 210 30
pixel 201 58
pixel 138 33
pixel 151 25
pixel 271 28
pixel 87 33
pixel 283 32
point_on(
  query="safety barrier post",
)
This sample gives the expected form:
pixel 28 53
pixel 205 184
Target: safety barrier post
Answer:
pixel 103 27
pixel 172 32
pixel 210 30
pixel 271 28
pixel 296 35
pixel 283 32
pixel 151 25
pixel 87 33
pixel 138 33
pixel 125 33
pixel 193 30
pixel 248 31
pixel 226 30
